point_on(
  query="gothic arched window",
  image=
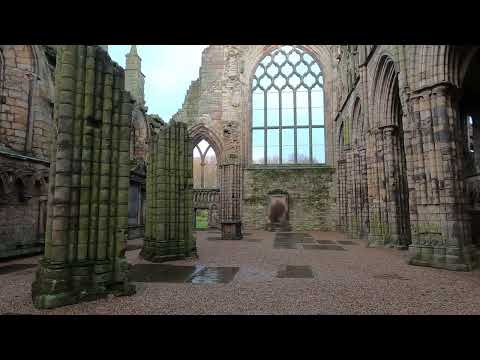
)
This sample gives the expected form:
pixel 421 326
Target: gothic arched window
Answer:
pixel 288 109
pixel 204 166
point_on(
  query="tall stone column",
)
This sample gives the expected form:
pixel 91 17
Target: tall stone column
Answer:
pixel 391 180
pixel 88 186
pixel 168 228
pixel 230 189
pixel 379 234
pixel 441 235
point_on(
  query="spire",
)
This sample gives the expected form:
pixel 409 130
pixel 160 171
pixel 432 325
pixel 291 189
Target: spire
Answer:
pixel 133 51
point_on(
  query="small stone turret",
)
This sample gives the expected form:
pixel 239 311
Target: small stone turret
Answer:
pixel 134 78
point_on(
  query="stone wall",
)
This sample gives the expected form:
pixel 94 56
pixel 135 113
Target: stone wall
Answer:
pixel 26 111
pixel 311 197
pixel 217 109
pixel 23 189
pixel 410 136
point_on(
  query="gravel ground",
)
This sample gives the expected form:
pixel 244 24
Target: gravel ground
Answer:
pixel 357 281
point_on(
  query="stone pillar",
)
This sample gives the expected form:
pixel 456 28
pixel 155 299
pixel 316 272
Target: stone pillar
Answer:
pixel 230 189
pixel 441 235
pixel 379 234
pixel 88 187
pixel 168 228
pixel 391 181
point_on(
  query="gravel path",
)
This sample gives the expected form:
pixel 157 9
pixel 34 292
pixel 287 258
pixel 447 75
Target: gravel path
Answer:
pixel 357 281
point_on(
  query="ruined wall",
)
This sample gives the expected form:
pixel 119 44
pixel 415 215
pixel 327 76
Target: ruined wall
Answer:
pixel 26 111
pixel 217 108
pixel 311 197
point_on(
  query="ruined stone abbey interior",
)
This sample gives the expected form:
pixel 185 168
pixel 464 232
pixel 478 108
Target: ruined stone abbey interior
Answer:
pixel 357 166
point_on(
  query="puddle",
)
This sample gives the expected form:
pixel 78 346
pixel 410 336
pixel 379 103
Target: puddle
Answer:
pixel 162 273
pixel 295 271
pixel 214 275
pixel 198 274
pixel 7 269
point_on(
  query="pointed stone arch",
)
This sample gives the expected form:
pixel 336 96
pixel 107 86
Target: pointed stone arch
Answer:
pixel 201 132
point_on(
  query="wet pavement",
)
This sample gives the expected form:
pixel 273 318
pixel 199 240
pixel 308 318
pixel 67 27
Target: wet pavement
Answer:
pixel 269 273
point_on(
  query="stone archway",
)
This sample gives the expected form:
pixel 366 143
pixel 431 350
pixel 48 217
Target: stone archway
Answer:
pixel 389 208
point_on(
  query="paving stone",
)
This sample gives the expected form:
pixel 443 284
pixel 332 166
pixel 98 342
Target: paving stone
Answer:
pixel 295 271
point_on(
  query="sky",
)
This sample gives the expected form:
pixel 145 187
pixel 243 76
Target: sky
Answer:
pixel 168 70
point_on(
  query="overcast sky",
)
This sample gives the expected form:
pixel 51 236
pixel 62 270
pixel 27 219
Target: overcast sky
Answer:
pixel 168 70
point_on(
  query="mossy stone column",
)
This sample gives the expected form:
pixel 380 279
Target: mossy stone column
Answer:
pixel 88 185
pixel 168 229
pixel 230 189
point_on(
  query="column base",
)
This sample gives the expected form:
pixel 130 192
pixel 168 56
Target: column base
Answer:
pixel 231 230
pixel 162 255
pixel 442 258
pixel 56 286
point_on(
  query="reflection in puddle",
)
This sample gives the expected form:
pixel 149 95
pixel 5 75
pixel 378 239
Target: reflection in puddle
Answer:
pixel 162 273
pixel 197 274
pixel 214 275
